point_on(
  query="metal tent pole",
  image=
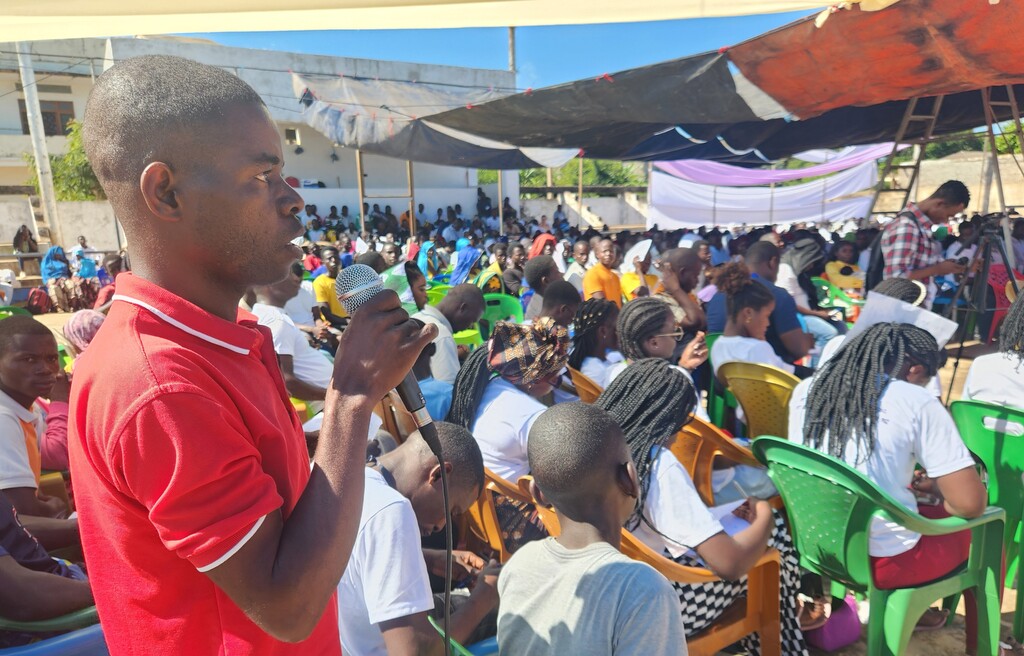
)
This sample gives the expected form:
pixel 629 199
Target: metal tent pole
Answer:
pixel 38 136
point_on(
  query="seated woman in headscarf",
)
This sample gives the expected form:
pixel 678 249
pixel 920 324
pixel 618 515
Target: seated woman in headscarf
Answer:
pixel 496 397
pixel 842 269
pixel 635 279
pixel 80 330
pixel 68 292
pixel 466 266
pixel 543 244
pixel 427 260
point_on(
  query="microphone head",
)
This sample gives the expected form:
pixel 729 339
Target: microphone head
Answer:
pixel 356 285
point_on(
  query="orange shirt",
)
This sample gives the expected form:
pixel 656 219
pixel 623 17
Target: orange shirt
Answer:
pixel 602 279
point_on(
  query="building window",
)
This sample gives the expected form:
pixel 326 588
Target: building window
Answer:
pixel 56 115
pixel 291 136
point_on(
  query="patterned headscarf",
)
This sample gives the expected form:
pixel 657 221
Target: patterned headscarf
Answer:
pixel 82 327
pixel 525 354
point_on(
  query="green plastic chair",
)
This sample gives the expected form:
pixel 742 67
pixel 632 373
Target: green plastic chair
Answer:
pixel 436 292
pixel 487 647
pixel 470 337
pixel 76 620
pixel 719 398
pixel 995 435
pixel 499 307
pixel 831 507
pixel 10 310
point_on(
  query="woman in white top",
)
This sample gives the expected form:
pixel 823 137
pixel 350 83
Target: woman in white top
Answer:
pixel 593 336
pixel 749 304
pixel 868 407
pixel 652 400
pixel 999 377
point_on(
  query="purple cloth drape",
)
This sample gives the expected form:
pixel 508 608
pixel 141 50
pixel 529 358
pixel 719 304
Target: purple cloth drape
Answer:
pixel 727 175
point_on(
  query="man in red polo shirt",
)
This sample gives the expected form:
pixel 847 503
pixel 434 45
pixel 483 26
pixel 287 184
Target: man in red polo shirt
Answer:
pixel 206 531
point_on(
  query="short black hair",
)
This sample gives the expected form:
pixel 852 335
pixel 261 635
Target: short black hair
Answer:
pixel 143 108
pixel 325 249
pixel 19 324
pixel 953 192
pixel 570 471
pixel 535 269
pixel 374 260
pixel 560 292
pixel 459 447
pixel 761 252
pixel 298 269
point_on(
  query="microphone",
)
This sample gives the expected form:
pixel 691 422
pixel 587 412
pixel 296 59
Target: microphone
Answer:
pixel 355 286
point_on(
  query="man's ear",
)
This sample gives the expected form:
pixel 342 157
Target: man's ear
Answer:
pixel 435 472
pixel 158 186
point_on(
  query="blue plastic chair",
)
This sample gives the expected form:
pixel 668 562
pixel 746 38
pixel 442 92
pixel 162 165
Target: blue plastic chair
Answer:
pixel 83 642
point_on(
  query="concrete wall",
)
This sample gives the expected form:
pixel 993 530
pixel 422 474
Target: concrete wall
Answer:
pixel 95 220
pixel 612 210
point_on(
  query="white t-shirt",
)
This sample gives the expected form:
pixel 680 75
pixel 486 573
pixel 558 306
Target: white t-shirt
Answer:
pixel 996 378
pixel 300 307
pixel 913 427
pixel 310 365
pixel 386 577
pixel 15 468
pixel 444 365
pixel 597 370
pixel 675 509
pixel 502 428
pixel 957 250
pixel 746 349
pixel 787 279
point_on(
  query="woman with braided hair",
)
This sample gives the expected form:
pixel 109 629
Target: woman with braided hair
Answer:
pixel 999 377
pixel 652 401
pixel 868 407
pixel 593 337
pixel 749 306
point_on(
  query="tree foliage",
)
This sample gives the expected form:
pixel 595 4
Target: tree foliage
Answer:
pixel 73 177
pixel 596 172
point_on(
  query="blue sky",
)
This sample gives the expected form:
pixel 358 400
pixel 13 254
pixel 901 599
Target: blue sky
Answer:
pixel 545 55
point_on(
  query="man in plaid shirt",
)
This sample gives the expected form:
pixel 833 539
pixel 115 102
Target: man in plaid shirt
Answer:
pixel 908 248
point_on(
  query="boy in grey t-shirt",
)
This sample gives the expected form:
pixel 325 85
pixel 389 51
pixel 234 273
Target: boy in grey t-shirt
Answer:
pixel 576 594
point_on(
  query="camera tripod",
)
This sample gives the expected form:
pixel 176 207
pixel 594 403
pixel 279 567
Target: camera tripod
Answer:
pixel 990 244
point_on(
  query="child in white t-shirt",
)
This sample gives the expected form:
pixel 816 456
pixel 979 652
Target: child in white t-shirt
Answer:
pixel 749 306
pixel 652 401
pixel 890 425
pixel 999 377
pixel 594 335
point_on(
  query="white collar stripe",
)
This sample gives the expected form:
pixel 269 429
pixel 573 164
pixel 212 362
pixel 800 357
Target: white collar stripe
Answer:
pixel 179 325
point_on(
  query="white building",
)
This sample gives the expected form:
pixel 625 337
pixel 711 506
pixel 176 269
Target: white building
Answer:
pixel 65 71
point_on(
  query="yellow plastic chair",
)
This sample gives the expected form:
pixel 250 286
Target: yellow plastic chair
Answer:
pixel 51 483
pixel 764 392
pixel 758 612
pixel 586 388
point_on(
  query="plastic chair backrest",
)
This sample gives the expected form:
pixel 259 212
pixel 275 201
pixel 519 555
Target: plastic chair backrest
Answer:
pixel 483 516
pixel 9 310
pixel 499 307
pixel 764 392
pixel 696 447
pixel 470 337
pixel 486 647
pixel 995 434
pixel 434 296
pixel 74 620
pixel 587 389
pixel 830 506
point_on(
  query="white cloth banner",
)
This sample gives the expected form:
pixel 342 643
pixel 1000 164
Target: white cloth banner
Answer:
pixel 676 203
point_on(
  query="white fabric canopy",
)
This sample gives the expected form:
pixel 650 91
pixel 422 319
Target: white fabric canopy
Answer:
pixel 33 20
pixel 676 203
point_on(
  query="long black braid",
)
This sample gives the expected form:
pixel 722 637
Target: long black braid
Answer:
pixel 651 400
pixel 640 319
pixel 1011 334
pixel 589 317
pixel 843 401
pixel 469 387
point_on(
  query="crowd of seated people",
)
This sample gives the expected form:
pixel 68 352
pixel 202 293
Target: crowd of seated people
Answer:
pixel 631 312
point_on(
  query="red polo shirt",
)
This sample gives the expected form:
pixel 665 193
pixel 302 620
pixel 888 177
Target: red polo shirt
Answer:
pixel 182 440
